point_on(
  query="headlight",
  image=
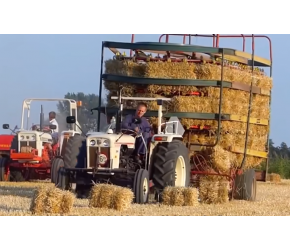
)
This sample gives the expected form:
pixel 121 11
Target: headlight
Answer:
pixel 21 137
pixel 92 142
pixel 106 143
pixel 33 137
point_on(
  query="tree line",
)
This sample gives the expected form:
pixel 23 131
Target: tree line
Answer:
pixel 279 156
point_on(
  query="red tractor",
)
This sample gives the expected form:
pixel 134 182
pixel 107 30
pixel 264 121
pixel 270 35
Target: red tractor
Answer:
pixel 35 151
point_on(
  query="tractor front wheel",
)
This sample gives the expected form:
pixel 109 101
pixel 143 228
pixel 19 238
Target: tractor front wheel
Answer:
pixel 62 179
pixel 141 186
pixel 4 169
pixel 55 166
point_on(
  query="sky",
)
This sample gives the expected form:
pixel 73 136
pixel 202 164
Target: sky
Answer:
pixel 49 66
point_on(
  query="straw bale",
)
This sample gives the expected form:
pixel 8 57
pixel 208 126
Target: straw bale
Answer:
pixel 37 204
pixel 276 178
pixel 110 196
pixel 190 196
pixel 67 202
pixel 219 158
pixel 213 189
pixel 180 196
pixel 208 71
pixel 122 199
pixel 51 200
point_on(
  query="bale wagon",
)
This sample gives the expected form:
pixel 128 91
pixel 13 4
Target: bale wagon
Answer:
pixel 29 156
pixel 219 95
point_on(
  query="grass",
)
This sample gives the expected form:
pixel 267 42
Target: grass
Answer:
pixel 272 200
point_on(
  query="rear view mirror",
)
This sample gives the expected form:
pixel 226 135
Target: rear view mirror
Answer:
pixel 5 126
pixel 70 119
pixel 52 126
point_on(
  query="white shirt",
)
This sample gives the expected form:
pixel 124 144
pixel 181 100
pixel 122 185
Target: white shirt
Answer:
pixel 54 122
pixel 54 131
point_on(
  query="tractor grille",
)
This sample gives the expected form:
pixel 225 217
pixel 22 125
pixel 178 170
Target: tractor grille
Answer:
pixel 93 158
pixel 28 143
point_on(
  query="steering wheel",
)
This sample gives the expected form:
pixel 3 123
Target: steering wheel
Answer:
pixel 135 134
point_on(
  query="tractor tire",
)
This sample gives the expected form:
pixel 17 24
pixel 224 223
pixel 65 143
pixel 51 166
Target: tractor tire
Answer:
pixel 75 155
pixel 75 152
pixel 62 179
pixel 245 186
pixel 170 165
pixel 55 166
pixel 141 186
pixel 3 174
pixel 16 176
pixel 14 143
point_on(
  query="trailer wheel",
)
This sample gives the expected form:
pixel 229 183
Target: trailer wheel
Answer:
pixel 55 166
pixel 245 186
pixel 62 179
pixel 4 176
pixel 141 186
pixel 170 165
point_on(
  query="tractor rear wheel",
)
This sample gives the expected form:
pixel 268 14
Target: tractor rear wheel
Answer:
pixel 245 186
pixel 141 186
pixel 170 165
pixel 55 166
pixel 4 175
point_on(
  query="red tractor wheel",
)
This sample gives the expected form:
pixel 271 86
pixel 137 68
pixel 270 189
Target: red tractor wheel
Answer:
pixel 4 170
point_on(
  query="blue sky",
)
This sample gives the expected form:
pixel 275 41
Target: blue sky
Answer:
pixel 49 66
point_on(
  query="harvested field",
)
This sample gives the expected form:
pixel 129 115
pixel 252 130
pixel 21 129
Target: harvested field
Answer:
pixel 272 200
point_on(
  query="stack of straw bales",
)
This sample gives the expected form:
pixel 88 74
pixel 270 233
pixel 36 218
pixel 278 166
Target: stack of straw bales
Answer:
pixel 234 101
pixel 110 196
pixel 180 196
pixel 51 200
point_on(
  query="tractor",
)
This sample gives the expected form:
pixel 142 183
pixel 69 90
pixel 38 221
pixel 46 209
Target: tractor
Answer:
pixel 5 142
pixel 30 157
pixel 105 156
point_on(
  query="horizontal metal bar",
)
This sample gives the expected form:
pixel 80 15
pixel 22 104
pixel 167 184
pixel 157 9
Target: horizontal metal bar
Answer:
pixel 240 150
pixel 183 82
pixel 156 46
pixel 188 115
pixel 164 81
pixel 141 98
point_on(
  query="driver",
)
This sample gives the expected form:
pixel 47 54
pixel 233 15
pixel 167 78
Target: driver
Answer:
pixel 54 135
pixel 143 128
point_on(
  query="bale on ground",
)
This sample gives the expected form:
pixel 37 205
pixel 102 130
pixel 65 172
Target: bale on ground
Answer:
pixel 110 196
pixel 276 178
pixel 213 189
pixel 180 196
pixel 51 200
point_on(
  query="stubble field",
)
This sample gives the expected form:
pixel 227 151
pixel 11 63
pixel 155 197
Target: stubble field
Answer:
pixel 272 199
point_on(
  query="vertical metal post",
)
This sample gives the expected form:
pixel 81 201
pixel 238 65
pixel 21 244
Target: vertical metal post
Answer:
pixel 268 137
pixel 100 89
pixel 250 103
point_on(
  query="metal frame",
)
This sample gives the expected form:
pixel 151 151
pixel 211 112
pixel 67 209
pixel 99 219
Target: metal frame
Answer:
pixel 27 102
pixel 168 48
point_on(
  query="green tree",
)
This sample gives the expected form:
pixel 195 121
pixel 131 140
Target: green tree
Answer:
pixel 86 119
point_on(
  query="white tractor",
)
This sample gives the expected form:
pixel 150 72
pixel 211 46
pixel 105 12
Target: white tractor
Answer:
pixel 30 157
pixel 106 156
